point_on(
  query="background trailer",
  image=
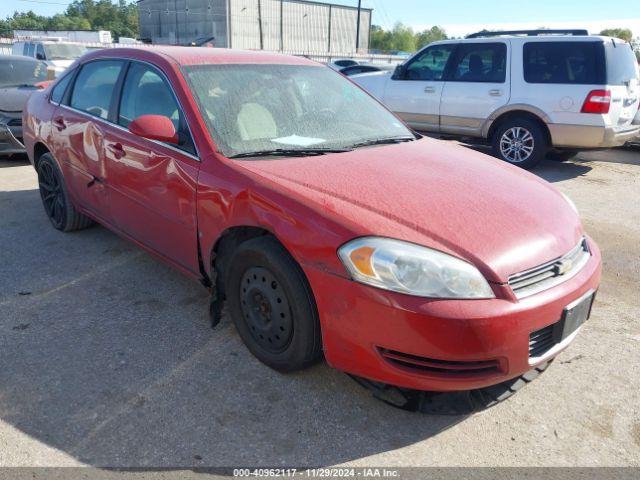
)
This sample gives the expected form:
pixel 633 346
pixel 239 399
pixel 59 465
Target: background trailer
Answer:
pixel 278 25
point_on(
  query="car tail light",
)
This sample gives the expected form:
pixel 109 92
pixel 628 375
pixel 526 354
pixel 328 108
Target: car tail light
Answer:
pixel 598 101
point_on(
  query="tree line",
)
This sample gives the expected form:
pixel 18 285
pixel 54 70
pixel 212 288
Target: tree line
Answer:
pixel 121 18
pixel 402 38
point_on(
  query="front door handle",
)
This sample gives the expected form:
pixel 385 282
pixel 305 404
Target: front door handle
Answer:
pixel 495 93
pixel 429 89
pixel 117 150
pixel 59 123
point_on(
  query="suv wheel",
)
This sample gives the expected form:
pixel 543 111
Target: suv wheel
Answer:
pixel 521 142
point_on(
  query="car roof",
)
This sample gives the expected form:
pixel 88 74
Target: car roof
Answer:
pixel 202 55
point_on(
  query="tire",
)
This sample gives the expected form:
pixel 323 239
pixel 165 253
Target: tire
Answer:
pixel 561 155
pixel 272 305
pixel 451 403
pixel 527 140
pixel 55 198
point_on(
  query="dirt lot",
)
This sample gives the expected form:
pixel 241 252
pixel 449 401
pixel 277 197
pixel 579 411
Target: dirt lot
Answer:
pixel 107 359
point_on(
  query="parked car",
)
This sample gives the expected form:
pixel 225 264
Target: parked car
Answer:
pixel 58 55
pixel 523 94
pixel 19 78
pixel 342 63
pixel 365 68
pixel 326 225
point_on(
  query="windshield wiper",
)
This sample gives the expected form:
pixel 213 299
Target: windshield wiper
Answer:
pixel 383 141
pixel 290 152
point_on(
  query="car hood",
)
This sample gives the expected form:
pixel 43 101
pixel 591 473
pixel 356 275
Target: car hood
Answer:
pixel 12 99
pixel 501 218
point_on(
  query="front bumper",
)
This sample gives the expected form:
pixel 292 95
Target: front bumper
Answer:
pixel 365 329
pixel 9 142
pixel 585 137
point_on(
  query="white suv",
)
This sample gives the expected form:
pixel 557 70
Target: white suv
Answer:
pixel 56 54
pixel 526 92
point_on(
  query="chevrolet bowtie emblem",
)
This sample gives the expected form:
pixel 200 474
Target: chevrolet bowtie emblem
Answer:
pixel 563 266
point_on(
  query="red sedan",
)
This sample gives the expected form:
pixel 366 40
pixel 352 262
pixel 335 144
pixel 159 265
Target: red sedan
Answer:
pixel 326 225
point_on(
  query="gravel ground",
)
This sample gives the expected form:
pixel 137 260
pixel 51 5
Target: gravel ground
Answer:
pixel 107 359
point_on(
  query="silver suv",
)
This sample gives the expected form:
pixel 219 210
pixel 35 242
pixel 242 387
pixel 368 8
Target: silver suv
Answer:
pixel 527 92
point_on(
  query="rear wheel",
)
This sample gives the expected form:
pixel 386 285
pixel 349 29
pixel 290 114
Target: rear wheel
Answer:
pixel 272 305
pixel 55 199
pixel 521 142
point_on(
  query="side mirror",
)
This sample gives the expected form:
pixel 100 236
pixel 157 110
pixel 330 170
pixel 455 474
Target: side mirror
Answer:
pixel 400 72
pixel 154 127
pixel 39 56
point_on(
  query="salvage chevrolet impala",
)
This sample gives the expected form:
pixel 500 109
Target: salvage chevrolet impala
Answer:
pixel 323 222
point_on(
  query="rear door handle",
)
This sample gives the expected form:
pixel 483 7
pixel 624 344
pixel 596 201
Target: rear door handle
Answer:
pixel 117 150
pixel 495 93
pixel 59 123
pixel 429 89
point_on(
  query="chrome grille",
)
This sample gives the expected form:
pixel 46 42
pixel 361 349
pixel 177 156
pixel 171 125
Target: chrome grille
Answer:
pixel 551 273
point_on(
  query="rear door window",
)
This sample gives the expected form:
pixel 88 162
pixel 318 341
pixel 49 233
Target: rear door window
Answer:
pixel 480 62
pixel 94 87
pixel 577 63
pixel 28 49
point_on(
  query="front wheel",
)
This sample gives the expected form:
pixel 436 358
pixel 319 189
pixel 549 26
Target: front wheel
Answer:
pixel 521 142
pixel 272 305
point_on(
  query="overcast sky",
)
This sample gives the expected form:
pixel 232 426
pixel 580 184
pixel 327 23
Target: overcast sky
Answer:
pixel 458 17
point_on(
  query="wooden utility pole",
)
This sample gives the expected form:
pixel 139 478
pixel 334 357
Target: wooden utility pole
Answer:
pixel 358 27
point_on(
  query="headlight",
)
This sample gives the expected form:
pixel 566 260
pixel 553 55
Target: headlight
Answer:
pixel 570 202
pixel 407 268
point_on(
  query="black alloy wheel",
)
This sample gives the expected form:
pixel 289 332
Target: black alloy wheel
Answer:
pixel 52 194
pixel 55 199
